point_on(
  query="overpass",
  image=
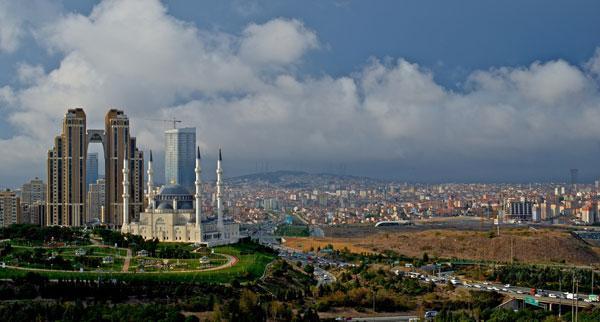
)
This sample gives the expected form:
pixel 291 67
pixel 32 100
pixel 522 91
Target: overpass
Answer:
pixel 517 302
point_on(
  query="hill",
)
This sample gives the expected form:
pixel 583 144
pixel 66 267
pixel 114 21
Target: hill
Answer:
pixel 297 179
pixel 533 246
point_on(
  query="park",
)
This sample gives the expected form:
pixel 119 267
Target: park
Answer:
pixel 94 254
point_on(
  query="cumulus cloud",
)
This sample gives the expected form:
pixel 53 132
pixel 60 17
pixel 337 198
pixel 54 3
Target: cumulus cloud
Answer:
pixel 279 41
pixel 18 17
pixel 594 63
pixel 240 94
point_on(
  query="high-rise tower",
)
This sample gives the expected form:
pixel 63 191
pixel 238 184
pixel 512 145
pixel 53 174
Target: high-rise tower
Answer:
pixel 91 168
pixel 66 168
pixel 180 150
pixel 119 146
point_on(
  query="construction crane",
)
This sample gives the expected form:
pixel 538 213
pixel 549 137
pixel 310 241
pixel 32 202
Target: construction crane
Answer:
pixel 173 120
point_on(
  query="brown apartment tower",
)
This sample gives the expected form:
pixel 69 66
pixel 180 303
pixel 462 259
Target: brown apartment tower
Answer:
pixel 67 191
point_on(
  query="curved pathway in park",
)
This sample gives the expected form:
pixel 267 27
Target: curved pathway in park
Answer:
pixel 127 261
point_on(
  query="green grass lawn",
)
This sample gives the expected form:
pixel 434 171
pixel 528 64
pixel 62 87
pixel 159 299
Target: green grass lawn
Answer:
pixel 251 265
pixel 152 264
pixel 68 253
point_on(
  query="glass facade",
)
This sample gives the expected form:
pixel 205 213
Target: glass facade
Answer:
pixel 180 156
pixel 91 168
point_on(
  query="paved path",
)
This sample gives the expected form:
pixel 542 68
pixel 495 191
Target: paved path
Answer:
pixel 127 261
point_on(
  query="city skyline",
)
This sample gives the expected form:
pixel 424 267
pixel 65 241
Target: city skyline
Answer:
pixel 280 85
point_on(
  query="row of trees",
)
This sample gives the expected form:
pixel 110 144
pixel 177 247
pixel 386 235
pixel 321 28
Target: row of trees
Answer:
pixel 135 242
pixel 38 234
pixel 52 311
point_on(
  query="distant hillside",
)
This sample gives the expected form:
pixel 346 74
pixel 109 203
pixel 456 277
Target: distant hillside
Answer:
pixel 299 179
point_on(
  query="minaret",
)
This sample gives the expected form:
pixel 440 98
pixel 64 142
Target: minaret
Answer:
pixel 150 183
pixel 198 196
pixel 125 227
pixel 220 195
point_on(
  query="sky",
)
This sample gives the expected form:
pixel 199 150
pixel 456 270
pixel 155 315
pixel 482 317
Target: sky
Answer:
pixel 418 91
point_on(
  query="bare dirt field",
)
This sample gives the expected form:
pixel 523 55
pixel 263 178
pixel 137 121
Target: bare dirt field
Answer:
pixel 542 245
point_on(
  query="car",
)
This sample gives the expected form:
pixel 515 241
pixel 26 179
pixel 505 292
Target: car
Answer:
pixel 430 314
pixel 486 283
pixel 505 290
pixel 537 295
pixel 552 295
pixel 477 285
pixel 520 292
pixel 507 285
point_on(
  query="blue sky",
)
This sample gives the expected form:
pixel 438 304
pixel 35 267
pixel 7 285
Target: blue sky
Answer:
pixel 449 38
pixel 472 57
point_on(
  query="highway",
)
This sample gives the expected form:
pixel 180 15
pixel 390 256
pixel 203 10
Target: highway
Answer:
pixel 519 292
pixel 388 318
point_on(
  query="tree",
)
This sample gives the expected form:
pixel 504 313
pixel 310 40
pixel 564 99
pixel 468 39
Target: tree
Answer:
pixel 425 257
pixel 309 269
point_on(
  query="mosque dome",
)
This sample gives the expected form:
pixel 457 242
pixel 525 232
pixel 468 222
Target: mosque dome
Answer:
pixel 173 190
pixel 168 193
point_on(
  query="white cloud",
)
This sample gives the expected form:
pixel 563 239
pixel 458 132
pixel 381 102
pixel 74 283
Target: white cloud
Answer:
pixel 29 74
pixel 279 41
pixel 594 63
pixel 134 55
pixel 17 18
pixel 10 27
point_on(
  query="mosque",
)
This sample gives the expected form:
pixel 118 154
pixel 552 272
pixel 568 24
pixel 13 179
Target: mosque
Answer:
pixel 174 214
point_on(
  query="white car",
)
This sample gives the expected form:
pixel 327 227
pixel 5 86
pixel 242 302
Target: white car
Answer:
pixel 507 285
pixel 552 295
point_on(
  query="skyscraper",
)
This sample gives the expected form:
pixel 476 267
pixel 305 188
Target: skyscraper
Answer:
pixel 180 146
pixel 10 209
pixel 91 168
pixel 66 172
pixel 33 191
pixel 33 199
pixel 95 200
pixel 118 146
pixel 66 168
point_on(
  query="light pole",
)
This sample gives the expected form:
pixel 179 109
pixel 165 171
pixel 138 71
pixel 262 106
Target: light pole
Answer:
pixel 560 294
pixel 373 299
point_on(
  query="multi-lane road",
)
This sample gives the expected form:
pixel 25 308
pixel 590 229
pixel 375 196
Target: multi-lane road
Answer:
pixel 519 292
